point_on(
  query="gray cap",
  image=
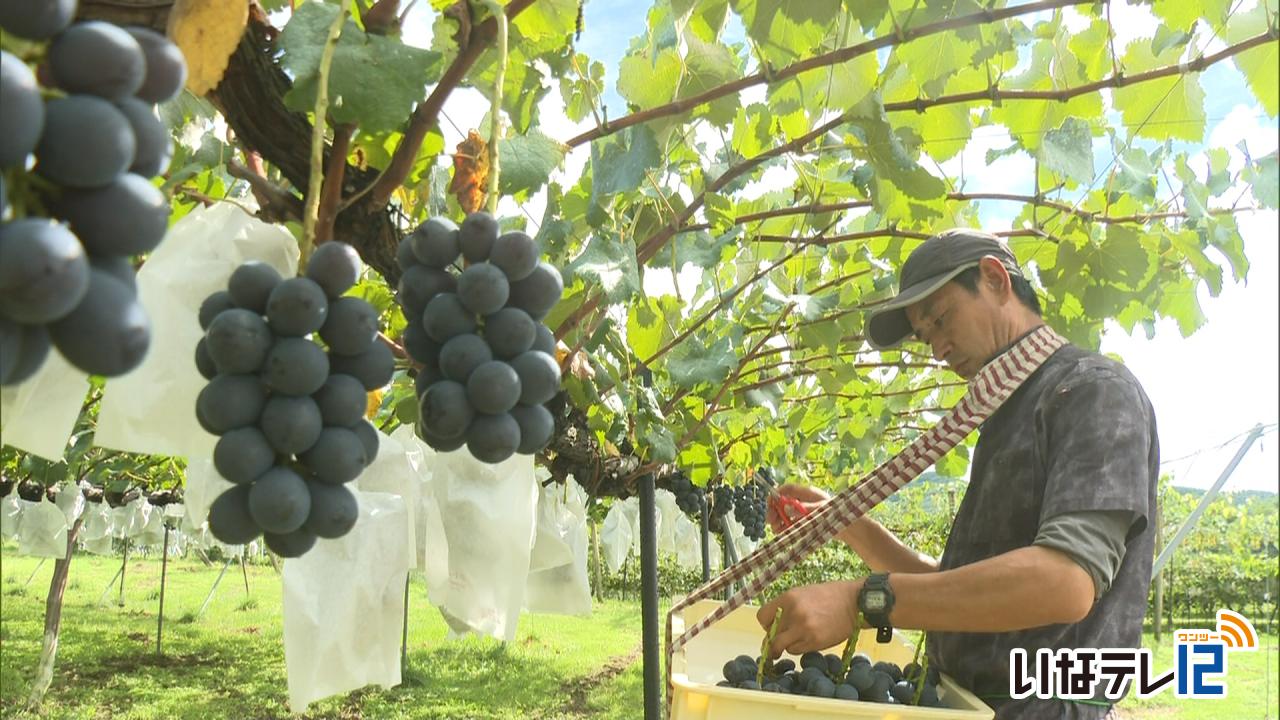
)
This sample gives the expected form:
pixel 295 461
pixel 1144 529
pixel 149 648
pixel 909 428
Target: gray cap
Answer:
pixel 928 268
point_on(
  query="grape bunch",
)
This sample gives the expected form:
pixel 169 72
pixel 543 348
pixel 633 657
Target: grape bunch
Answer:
pixel 290 416
pixel 88 205
pixel 489 364
pixel 721 504
pixel 824 676
pixel 689 497
pixel 749 509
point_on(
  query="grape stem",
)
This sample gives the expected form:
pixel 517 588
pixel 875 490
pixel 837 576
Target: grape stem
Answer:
pixel 851 646
pixel 924 671
pixel 495 109
pixel 764 647
pixel 311 213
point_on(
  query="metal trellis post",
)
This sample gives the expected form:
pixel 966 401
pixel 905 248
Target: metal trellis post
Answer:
pixel 1209 496
pixel 649 599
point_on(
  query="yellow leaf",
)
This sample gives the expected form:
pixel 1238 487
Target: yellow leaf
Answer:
pixel 207 31
pixel 375 402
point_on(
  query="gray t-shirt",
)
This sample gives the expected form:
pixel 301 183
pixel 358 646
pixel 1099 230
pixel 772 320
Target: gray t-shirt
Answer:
pixel 1078 436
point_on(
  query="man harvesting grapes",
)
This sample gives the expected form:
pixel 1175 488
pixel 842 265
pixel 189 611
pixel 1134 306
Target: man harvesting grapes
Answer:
pixel 1052 545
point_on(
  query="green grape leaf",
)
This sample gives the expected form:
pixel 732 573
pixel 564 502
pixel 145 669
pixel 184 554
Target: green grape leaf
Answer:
pixel 609 262
pixel 1068 150
pixel 890 156
pixel 1258 64
pixel 650 82
pixel 623 160
pixel 1263 176
pixel 527 162
pixel 374 81
pixel 696 363
pixel 1171 107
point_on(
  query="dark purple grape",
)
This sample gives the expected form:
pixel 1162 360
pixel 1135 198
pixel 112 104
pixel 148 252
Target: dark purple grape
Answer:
pixel 494 388
pixel 337 457
pixel 166 67
pixel 536 427
pixel 229 402
pixel 335 266
pixel 435 242
pixel 538 293
pixel 212 305
pixel 544 340
pixel 108 333
pixel 539 377
pixel 44 273
pixel 21 113
pixel 419 284
pixel 351 327
pixel 510 331
pixel 476 236
pixel 425 378
pixel 342 401
pixel 419 344
pixel 207 368
pixel 483 289
pixel 445 411
pixel 154 146
pixel 23 349
pixel 251 284
pixel 291 544
pixel 493 438
pixel 229 517
pixel 97 58
pixel 243 454
pixel 295 366
pixel 238 341
pixel 334 510
pixel 290 424
pixel 445 317
pixel 463 354
pixel 38 20
pixel 404 254
pixel 438 444
pixel 296 307
pixel 373 367
pixel 516 254
pixel 279 501
pixel 368 435
pixel 87 142
pixel 127 216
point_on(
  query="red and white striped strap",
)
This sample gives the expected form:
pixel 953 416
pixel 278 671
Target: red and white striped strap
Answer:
pixel 993 384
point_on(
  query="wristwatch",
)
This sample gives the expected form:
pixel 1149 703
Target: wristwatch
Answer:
pixel 875 602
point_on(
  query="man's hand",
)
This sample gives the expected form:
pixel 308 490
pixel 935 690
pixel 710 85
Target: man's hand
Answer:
pixel 812 498
pixel 815 617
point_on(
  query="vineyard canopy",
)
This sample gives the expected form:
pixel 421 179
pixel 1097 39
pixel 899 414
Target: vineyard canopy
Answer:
pixel 775 163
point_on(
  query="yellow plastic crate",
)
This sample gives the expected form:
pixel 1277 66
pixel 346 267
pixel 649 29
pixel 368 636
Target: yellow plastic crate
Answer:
pixel 697 668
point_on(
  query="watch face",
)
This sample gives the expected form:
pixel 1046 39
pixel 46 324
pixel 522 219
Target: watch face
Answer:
pixel 875 601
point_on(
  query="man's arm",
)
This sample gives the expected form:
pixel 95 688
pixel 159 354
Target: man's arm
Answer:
pixel 1023 588
pixel 882 551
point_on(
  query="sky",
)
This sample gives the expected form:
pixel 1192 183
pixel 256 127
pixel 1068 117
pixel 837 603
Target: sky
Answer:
pixel 1208 390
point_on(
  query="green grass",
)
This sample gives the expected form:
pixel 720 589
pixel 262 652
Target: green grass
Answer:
pixel 1252 679
pixel 229 662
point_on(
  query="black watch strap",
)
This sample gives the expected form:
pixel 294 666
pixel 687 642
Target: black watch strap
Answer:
pixel 875 602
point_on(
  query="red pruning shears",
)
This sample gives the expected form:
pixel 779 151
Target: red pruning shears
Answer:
pixel 788 509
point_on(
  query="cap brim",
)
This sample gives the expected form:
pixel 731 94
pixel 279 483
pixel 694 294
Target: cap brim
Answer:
pixel 888 325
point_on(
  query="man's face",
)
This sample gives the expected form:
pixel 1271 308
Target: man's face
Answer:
pixel 958 326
